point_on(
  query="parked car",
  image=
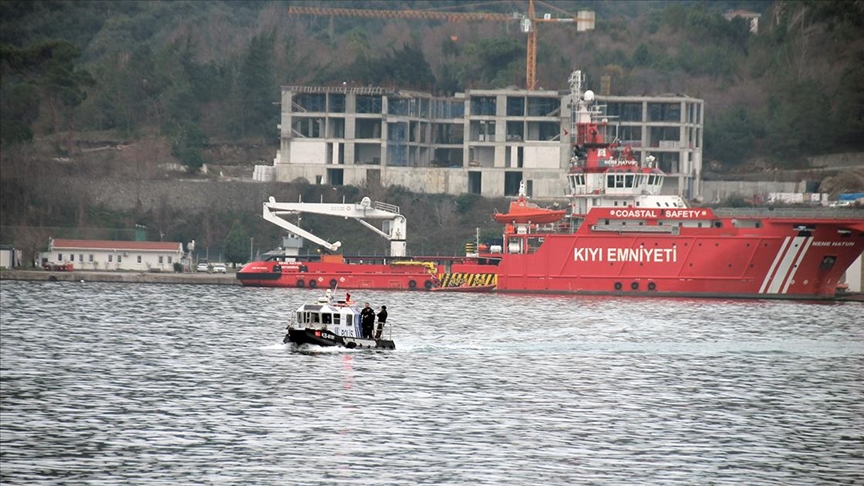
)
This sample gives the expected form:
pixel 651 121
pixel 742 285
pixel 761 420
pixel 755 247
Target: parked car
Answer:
pixel 219 268
pixel 203 267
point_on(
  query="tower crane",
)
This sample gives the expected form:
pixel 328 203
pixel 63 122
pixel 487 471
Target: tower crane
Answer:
pixel 584 20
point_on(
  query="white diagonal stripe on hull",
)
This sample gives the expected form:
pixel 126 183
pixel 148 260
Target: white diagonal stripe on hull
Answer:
pixel 789 280
pixel 774 265
pixel 786 264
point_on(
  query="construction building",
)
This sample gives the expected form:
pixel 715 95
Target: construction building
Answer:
pixel 482 141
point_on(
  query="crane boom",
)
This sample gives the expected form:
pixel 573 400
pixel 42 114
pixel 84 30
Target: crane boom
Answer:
pixel 408 14
pixel 365 209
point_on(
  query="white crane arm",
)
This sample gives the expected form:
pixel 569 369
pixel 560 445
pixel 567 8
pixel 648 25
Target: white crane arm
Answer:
pixel 273 217
pixel 273 212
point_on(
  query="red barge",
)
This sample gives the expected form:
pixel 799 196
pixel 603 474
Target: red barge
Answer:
pixel 395 272
pixel 619 236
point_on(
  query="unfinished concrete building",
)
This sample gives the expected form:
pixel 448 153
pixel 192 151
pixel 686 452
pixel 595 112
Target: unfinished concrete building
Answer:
pixel 483 141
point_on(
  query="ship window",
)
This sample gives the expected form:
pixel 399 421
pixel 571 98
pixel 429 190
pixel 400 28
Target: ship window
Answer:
pixel 110 258
pixel 299 317
pixel 59 257
pixel 327 318
pixel 718 224
pixel 316 317
pixel 610 181
pixel 637 204
pixel 337 319
pixel 628 181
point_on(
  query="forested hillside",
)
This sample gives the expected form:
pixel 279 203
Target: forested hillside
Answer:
pixel 198 71
pixel 124 89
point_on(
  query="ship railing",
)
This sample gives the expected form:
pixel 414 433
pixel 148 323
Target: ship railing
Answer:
pixel 386 331
pixel 623 228
pixel 382 206
pixel 814 213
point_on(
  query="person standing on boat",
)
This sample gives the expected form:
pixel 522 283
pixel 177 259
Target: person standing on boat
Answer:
pixel 367 320
pixel 382 319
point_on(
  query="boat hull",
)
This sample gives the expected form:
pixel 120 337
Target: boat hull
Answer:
pixel 318 337
pixel 538 217
pixel 347 276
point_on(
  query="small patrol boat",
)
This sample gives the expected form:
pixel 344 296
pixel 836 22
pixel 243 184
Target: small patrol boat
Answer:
pixel 332 322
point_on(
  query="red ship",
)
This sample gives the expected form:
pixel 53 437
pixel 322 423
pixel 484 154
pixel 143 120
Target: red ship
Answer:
pixel 623 237
pixel 394 272
pixel 619 236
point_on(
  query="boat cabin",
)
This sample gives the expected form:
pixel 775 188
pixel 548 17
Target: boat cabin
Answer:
pixel 339 317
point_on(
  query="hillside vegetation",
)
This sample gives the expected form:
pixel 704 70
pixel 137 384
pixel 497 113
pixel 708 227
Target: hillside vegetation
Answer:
pixel 156 90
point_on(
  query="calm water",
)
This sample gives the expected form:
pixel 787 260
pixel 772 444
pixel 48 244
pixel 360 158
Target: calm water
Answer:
pixel 165 384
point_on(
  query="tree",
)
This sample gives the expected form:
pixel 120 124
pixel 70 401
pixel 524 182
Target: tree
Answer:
pixel 50 67
pixel 733 135
pixel 257 89
pixel 492 60
pixel 235 244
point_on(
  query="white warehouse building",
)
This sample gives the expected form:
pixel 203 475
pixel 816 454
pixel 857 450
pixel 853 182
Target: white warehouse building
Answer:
pixel 114 255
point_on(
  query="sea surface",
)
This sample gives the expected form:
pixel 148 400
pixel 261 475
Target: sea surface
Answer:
pixel 106 383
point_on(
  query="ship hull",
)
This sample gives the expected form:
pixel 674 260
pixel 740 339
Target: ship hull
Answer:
pixel 769 260
pixel 347 276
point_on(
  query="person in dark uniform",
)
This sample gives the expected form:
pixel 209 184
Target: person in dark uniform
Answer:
pixel 367 321
pixel 382 319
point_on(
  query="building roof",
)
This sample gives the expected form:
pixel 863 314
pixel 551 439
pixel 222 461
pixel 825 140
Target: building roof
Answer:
pixel 58 243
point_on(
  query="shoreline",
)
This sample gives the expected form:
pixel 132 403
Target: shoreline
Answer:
pixel 121 277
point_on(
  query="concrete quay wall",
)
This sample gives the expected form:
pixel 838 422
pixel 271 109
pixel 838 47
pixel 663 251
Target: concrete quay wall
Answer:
pixel 121 277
